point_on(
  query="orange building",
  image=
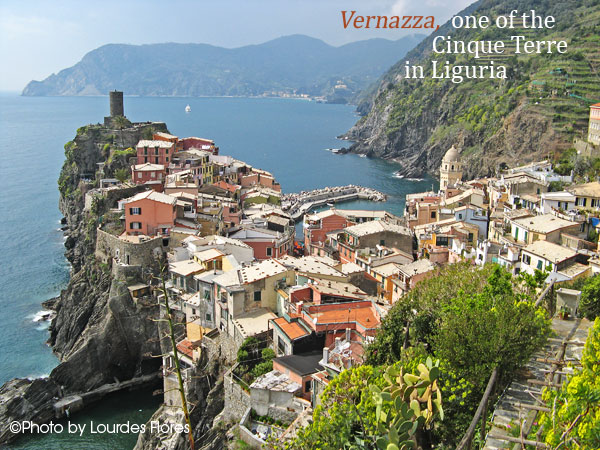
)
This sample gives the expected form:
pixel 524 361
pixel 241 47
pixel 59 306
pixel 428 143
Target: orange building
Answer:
pixel 150 213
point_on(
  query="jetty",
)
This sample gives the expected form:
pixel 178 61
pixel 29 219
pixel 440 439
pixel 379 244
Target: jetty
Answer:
pixel 298 204
pixel 75 402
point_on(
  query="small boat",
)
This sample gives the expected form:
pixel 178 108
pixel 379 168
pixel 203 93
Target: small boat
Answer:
pixel 335 150
pixel 188 108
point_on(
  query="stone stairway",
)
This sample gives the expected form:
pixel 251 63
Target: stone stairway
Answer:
pixel 519 404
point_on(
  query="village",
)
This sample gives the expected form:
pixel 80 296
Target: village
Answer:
pixel 287 314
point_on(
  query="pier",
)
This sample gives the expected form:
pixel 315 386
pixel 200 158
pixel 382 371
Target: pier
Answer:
pixel 299 204
pixel 76 402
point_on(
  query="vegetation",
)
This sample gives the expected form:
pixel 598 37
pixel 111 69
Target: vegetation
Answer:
pixel 590 298
pixel 574 420
pixel 122 174
pixel 472 320
pixel 542 91
pixel 368 408
pixel 254 359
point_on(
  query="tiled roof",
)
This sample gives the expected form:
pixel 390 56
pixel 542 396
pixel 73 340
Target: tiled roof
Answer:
pixel 291 329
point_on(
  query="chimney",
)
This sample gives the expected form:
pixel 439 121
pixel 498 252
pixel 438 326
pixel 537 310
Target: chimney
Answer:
pixel 348 331
pixel 299 308
pixel 338 341
pixel 325 354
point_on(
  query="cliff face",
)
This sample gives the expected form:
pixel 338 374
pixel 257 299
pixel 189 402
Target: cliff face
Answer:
pixel 99 333
pixel 533 114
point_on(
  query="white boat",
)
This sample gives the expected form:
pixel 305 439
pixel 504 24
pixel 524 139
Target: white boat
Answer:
pixel 335 150
pixel 188 108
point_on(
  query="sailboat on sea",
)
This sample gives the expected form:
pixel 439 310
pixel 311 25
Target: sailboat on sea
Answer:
pixel 188 108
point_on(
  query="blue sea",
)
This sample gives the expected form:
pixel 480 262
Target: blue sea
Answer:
pixel 287 137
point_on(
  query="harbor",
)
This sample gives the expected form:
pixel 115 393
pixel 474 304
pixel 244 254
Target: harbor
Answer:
pixel 298 204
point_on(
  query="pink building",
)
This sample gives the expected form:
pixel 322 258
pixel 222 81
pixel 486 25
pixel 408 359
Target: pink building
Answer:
pixel 150 213
pixel 199 143
pixel 266 243
pixel 155 152
pixel 147 173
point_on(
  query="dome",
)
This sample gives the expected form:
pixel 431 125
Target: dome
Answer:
pixel 451 155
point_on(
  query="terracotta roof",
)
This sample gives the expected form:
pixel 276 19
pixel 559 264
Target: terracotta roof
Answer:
pixel 291 329
pixel 227 186
pixel 186 347
pixel 365 316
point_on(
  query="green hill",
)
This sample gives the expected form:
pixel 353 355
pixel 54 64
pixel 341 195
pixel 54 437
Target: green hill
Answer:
pixel 535 113
pixel 290 64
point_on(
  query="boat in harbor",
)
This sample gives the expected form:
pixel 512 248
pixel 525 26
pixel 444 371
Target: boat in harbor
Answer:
pixel 188 108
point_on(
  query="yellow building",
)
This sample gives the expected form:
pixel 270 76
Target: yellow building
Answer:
pixel 451 169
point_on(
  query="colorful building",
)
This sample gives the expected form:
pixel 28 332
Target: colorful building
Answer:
pixel 155 152
pixel 150 213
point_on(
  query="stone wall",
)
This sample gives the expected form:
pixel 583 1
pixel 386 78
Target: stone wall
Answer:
pixel 140 254
pixel 237 400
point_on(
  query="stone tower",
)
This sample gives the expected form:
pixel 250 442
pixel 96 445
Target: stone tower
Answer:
pixel 451 169
pixel 116 103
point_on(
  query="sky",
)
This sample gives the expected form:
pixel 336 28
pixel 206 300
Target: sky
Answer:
pixel 41 37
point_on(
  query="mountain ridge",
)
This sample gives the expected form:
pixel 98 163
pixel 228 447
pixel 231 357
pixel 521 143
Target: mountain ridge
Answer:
pixel 295 64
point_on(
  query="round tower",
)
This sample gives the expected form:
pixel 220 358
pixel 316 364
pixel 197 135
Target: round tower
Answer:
pixel 451 169
pixel 116 103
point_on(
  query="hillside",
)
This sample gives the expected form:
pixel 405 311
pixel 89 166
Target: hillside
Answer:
pixel 288 64
pixel 534 113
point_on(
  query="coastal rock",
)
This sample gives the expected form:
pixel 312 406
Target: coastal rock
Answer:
pixel 99 334
pixel 24 399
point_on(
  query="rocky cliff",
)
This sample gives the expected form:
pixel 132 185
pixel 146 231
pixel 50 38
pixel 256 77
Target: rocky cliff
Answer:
pixel 99 333
pixel 534 114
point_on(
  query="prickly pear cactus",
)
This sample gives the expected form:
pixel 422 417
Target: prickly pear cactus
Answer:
pixel 408 402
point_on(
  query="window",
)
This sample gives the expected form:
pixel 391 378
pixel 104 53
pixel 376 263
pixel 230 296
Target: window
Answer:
pixel 257 296
pixel 460 216
pixel 307 386
pixel 208 317
pixel 145 160
pixel 152 174
pixel 269 251
pixel 540 264
pixel 135 211
pixel 281 346
pixel 194 311
pixel 156 150
pixel 135 226
pixel 139 174
pixel 167 159
pixel 526 259
pixel 145 150
pixel 156 160
pixel 433 214
pixel 167 151
pixel 382 242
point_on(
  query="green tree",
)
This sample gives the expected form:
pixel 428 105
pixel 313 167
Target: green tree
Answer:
pixel 122 174
pixel 590 298
pixel 574 420
pixel 492 328
pixel 121 122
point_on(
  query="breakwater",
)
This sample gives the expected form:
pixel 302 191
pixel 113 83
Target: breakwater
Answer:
pixel 298 204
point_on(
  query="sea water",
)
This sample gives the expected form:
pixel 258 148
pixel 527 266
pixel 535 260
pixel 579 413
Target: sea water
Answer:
pixel 289 138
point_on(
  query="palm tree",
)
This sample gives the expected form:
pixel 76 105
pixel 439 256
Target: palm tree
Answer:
pixel 121 122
